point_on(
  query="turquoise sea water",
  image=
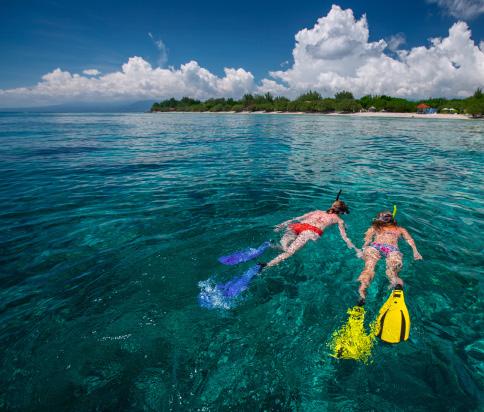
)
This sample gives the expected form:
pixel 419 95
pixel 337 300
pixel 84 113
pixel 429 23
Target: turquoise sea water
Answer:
pixel 108 223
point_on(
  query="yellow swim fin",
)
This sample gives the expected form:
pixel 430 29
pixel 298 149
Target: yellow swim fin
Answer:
pixel 352 341
pixel 393 321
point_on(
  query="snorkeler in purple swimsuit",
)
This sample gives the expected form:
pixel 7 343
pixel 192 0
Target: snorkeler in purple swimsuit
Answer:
pixel 381 239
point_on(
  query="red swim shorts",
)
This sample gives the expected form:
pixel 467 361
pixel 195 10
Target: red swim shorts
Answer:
pixel 298 228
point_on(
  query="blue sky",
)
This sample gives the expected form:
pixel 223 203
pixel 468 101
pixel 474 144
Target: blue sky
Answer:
pixel 37 37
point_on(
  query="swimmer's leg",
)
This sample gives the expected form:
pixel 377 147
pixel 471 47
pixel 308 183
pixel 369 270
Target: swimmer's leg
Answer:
pixel 298 243
pixel 288 237
pixel 371 256
pixel 394 265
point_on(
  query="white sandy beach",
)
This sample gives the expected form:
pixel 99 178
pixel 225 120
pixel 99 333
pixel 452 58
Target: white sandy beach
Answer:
pixel 408 115
pixel 357 114
pixel 379 114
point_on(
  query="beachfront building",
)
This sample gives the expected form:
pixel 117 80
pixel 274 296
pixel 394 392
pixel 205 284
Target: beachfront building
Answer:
pixel 423 108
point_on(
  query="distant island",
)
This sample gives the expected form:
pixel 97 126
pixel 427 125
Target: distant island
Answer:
pixel 313 102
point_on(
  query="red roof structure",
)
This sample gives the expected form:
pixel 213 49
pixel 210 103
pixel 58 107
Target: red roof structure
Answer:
pixel 423 106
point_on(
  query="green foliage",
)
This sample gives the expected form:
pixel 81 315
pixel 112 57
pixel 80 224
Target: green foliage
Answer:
pixel 387 103
pixel 327 105
pixel 247 100
pixel 281 104
pixel 186 101
pixel 313 102
pixel 347 105
pixel 366 101
pixel 344 95
pixel 475 106
pixel 309 97
pixel 438 103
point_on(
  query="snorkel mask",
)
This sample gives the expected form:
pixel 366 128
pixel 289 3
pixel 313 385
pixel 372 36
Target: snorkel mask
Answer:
pixel 339 206
pixel 387 217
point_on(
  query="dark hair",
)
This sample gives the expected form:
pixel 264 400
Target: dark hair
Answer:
pixel 338 207
pixel 379 223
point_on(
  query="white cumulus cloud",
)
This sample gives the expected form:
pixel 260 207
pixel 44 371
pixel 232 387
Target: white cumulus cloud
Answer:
pixel 91 72
pixel 336 54
pixel 395 41
pixel 137 80
pixel 461 9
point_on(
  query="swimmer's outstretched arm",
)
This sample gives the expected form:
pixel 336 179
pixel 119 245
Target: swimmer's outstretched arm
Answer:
pixel 411 242
pixel 368 237
pixel 345 237
pixel 284 224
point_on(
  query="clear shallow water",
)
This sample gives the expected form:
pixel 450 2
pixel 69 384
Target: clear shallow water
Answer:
pixel 108 222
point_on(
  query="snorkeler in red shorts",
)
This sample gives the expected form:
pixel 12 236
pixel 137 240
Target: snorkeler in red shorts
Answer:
pixel 311 226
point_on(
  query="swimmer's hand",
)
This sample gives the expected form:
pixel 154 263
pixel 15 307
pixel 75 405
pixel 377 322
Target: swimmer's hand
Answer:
pixel 359 253
pixel 417 256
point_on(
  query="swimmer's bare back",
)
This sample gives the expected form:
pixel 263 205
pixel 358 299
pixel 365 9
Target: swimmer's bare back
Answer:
pixel 389 236
pixel 316 218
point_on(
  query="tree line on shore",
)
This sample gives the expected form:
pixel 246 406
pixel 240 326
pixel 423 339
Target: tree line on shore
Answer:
pixel 313 102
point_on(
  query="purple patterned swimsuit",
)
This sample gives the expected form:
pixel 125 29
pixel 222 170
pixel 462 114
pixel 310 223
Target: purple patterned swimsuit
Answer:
pixel 384 248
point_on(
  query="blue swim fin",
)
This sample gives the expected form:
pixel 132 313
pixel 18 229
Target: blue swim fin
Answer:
pixel 244 255
pixel 238 284
pixel 225 295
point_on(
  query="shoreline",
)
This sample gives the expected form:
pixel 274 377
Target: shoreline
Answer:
pixel 442 116
pixel 445 116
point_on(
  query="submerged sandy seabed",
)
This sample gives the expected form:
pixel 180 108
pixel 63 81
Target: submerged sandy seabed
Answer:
pixel 358 114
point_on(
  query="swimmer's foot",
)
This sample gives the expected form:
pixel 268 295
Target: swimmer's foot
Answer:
pixel 275 245
pixel 361 302
pixel 396 284
pixel 261 265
